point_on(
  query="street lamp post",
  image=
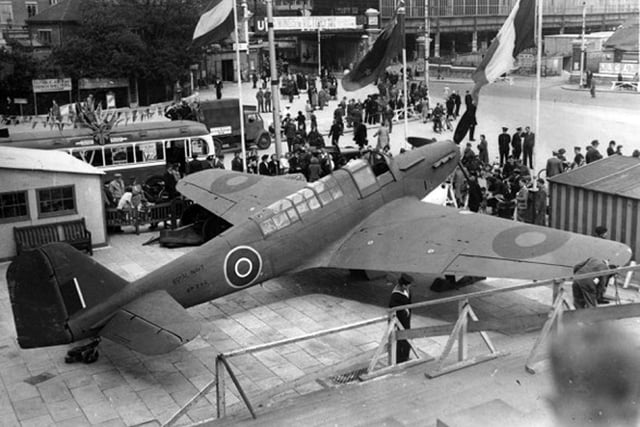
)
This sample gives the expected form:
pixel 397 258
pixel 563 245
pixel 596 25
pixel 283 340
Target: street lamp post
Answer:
pixel 275 93
pixel 319 52
pixel 583 47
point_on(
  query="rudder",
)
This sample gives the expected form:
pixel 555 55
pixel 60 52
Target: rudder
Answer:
pixel 48 285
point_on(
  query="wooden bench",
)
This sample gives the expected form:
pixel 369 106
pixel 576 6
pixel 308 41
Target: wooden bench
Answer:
pixel 73 232
pixel 153 214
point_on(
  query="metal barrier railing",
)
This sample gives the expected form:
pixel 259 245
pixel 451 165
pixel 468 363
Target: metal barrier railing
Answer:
pixel 467 322
pixel 222 364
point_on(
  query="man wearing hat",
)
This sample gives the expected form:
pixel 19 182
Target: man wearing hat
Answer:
pixel 554 164
pixel 516 143
pixel 116 188
pixel 401 295
pixel 504 141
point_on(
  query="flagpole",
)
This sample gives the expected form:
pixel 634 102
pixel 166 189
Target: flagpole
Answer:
pixel 538 82
pixel 401 15
pixel 239 77
pixel 275 93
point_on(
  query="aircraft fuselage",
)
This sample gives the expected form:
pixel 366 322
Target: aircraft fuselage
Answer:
pixel 287 236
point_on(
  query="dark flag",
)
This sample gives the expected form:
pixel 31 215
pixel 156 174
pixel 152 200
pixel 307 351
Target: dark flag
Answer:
pixel 517 34
pixel 466 121
pixel 215 24
pixel 386 47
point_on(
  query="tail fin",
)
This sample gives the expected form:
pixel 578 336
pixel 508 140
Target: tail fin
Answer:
pixel 48 285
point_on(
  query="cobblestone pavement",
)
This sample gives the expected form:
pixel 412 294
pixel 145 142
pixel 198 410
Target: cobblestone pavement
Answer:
pixel 126 388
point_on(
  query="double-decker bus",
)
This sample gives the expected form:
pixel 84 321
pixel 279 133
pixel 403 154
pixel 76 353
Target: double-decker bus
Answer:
pixel 139 150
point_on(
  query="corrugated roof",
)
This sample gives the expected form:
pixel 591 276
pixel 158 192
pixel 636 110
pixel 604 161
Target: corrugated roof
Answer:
pixel 617 175
pixel 65 11
pixel 44 160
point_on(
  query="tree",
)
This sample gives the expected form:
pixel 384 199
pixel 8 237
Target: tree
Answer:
pixel 148 40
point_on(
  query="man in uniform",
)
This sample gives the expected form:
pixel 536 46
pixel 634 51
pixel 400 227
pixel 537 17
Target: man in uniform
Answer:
pixel 401 295
pixel 504 139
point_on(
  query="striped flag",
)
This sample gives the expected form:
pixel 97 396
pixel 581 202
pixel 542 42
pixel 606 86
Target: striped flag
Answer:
pixel 517 34
pixel 215 24
pixel 386 47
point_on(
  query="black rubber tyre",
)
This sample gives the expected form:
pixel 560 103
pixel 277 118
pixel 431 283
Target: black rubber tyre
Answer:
pixel 264 141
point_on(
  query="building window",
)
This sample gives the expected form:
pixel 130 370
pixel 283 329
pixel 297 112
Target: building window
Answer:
pixel 6 12
pixel 13 206
pixel 56 201
pixel 32 9
pixel 44 36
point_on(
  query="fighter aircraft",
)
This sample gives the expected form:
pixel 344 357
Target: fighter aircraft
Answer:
pixel 367 215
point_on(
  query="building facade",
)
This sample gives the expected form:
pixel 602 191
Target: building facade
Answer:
pixel 455 27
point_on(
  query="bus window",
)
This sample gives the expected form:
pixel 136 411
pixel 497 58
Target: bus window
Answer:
pixel 199 146
pixel 119 155
pixel 149 152
pixel 93 156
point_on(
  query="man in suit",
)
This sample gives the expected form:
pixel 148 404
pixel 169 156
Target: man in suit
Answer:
pixel 554 164
pixel 504 141
pixel 401 295
pixel 529 141
pixel 516 143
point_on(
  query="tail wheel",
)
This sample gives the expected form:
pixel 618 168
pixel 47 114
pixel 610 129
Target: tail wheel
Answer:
pixel 264 141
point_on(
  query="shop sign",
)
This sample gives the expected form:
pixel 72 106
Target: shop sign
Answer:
pixel 51 85
pixel 99 83
pixel 309 23
pixel 617 68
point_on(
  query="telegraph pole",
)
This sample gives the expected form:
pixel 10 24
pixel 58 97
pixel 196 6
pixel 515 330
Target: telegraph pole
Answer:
pixel 275 92
pixel 583 48
pixel 427 43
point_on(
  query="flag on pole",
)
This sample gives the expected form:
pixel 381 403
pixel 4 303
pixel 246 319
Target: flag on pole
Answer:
pixel 517 34
pixel 387 46
pixel 215 24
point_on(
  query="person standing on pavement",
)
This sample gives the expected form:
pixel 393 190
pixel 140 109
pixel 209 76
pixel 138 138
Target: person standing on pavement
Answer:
pixel 236 162
pixel 554 164
pixel 527 147
pixel 267 100
pixel 116 187
pixel 457 101
pixel 401 295
pixel 383 137
pixel 218 88
pixel 504 141
pixel 260 99
pixel 592 152
pixel 335 132
pixel 360 134
pixel 483 150
pixel 516 143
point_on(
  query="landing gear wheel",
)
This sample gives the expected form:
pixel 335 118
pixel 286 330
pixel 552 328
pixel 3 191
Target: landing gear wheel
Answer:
pixel 87 353
pixel 90 356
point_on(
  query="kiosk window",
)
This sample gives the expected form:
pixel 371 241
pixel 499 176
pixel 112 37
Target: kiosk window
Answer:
pixel 56 201
pixel 13 206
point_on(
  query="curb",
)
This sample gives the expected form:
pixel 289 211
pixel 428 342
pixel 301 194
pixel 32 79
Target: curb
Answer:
pixel 578 89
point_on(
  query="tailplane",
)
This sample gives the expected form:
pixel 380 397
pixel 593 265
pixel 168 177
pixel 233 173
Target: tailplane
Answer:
pixel 48 285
